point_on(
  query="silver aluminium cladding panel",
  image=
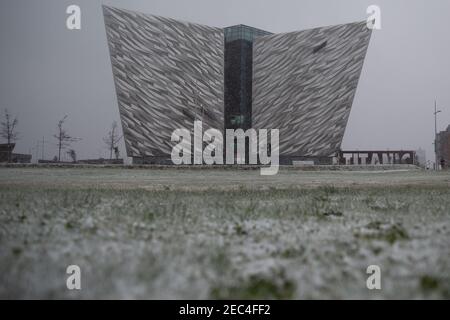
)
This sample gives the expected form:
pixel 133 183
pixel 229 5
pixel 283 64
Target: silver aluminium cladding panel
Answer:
pixel 304 83
pixel 167 73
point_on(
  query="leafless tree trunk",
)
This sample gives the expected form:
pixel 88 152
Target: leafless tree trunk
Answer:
pixel 112 138
pixel 63 138
pixel 8 131
pixel 73 155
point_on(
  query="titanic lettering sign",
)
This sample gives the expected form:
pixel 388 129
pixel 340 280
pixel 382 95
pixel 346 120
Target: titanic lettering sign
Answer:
pixel 376 157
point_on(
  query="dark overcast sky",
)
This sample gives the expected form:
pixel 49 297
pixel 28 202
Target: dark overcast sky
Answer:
pixel 48 71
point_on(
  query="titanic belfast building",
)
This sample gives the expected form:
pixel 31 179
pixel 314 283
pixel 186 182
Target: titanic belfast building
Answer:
pixel 169 73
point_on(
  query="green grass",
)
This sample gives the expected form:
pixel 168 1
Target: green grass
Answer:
pixel 147 234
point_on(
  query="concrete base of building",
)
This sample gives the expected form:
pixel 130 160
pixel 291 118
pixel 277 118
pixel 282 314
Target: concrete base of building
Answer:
pixel 283 160
pixel 161 160
pixel 299 160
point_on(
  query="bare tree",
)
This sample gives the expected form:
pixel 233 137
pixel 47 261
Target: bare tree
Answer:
pixel 72 154
pixel 112 139
pixel 63 138
pixel 8 131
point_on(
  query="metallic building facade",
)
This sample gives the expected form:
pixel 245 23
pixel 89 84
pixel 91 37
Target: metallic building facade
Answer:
pixel 169 73
pixel 304 83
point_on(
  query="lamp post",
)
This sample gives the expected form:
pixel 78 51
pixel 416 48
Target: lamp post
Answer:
pixel 436 165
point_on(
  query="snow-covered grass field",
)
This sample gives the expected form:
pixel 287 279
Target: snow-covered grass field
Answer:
pixel 192 234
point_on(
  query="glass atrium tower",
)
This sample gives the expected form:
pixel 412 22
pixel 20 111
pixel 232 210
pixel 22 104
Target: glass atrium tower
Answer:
pixel 238 75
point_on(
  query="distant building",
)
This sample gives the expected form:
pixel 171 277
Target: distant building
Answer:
pixel 443 148
pixel 6 149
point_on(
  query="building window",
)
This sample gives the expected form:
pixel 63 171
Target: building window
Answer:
pixel 237 120
pixel 320 47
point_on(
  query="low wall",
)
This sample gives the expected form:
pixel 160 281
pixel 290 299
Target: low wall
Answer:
pixel 214 167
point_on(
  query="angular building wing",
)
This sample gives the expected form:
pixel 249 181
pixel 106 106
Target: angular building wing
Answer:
pixel 167 74
pixel 304 83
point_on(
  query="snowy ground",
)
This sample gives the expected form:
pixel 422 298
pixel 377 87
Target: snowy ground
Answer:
pixel 193 234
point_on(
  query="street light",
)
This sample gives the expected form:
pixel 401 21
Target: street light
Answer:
pixel 436 165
